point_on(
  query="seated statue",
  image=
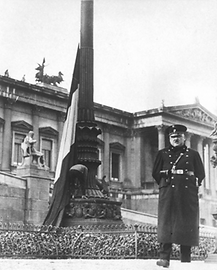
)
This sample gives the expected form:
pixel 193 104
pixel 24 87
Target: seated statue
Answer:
pixel 29 150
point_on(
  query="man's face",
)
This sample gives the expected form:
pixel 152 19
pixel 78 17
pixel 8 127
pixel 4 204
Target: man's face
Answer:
pixel 177 139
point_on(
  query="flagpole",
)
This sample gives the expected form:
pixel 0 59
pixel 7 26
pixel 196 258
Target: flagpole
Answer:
pixel 87 131
pixel 95 208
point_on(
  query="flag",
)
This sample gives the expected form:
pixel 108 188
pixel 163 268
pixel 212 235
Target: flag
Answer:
pixel 66 157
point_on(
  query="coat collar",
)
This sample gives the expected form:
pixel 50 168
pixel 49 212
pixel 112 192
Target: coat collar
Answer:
pixel 181 149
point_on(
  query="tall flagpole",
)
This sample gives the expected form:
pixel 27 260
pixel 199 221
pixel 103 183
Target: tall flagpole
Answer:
pixel 86 106
pixel 87 131
pixel 95 208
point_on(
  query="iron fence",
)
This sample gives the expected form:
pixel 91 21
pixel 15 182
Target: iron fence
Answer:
pixel 90 242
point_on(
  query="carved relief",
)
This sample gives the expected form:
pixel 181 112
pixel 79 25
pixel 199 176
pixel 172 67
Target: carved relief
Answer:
pixel 102 210
pixel 195 114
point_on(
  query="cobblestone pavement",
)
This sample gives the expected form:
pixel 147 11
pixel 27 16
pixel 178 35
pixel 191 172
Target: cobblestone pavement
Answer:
pixel 16 264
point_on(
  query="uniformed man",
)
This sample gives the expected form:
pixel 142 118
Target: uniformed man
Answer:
pixel 179 171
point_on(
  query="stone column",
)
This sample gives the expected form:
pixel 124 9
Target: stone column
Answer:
pixel 188 139
pixel 137 158
pixel 6 160
pixel 129 152
pixel 106 152
pixel 200 151
pixel 161 136
pixel 35 123
pixel 147 160
pixel 61 118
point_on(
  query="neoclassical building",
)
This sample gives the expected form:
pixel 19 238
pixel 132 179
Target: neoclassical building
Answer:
pixel 127 145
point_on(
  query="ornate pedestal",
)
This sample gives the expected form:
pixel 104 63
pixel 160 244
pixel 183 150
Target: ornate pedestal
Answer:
pixel 87 212
pixel 95 208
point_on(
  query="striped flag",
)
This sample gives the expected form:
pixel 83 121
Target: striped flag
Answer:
pixel 66 157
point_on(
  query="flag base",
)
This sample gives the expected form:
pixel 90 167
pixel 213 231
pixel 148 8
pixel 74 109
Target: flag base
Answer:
pixel 92 211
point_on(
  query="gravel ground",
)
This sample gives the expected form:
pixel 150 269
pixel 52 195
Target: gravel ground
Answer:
pixel 16 264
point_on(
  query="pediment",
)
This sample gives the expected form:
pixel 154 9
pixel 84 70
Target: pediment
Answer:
pixel 22 125
pixel 195 113
pixel 48 131
pixel 117 146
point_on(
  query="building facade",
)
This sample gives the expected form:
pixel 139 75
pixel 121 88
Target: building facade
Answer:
pixel 127 145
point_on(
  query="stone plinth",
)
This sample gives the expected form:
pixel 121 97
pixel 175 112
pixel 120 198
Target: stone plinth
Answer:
pixel 37 191
pixel 32 169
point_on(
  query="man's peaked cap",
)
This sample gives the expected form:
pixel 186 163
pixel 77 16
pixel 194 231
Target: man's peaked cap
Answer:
pixel 174 129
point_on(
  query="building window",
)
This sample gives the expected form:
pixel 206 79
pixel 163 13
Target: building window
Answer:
pixel 115 164
pixel 17 151
pixel 49 146
pixel 116 156
pixel 47 151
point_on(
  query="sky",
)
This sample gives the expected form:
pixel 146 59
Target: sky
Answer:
pixel 145 51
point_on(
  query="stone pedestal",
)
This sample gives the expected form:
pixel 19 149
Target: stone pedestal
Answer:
pixel 37 191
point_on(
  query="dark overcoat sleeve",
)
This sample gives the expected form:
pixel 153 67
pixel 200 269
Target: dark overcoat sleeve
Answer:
pixel 158 165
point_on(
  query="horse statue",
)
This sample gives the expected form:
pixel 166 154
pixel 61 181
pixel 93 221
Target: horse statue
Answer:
pixel 44 78
pixel 53 79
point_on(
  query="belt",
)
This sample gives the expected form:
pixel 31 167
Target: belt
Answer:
pixel 182 172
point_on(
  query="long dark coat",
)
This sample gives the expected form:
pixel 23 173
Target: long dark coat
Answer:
pixel 178 207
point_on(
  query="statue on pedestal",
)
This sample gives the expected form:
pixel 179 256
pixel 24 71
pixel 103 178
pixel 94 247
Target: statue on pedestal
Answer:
pixel 28 150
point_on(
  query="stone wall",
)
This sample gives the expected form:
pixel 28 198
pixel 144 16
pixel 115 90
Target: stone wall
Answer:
pixel 12 198
pixel 23 199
